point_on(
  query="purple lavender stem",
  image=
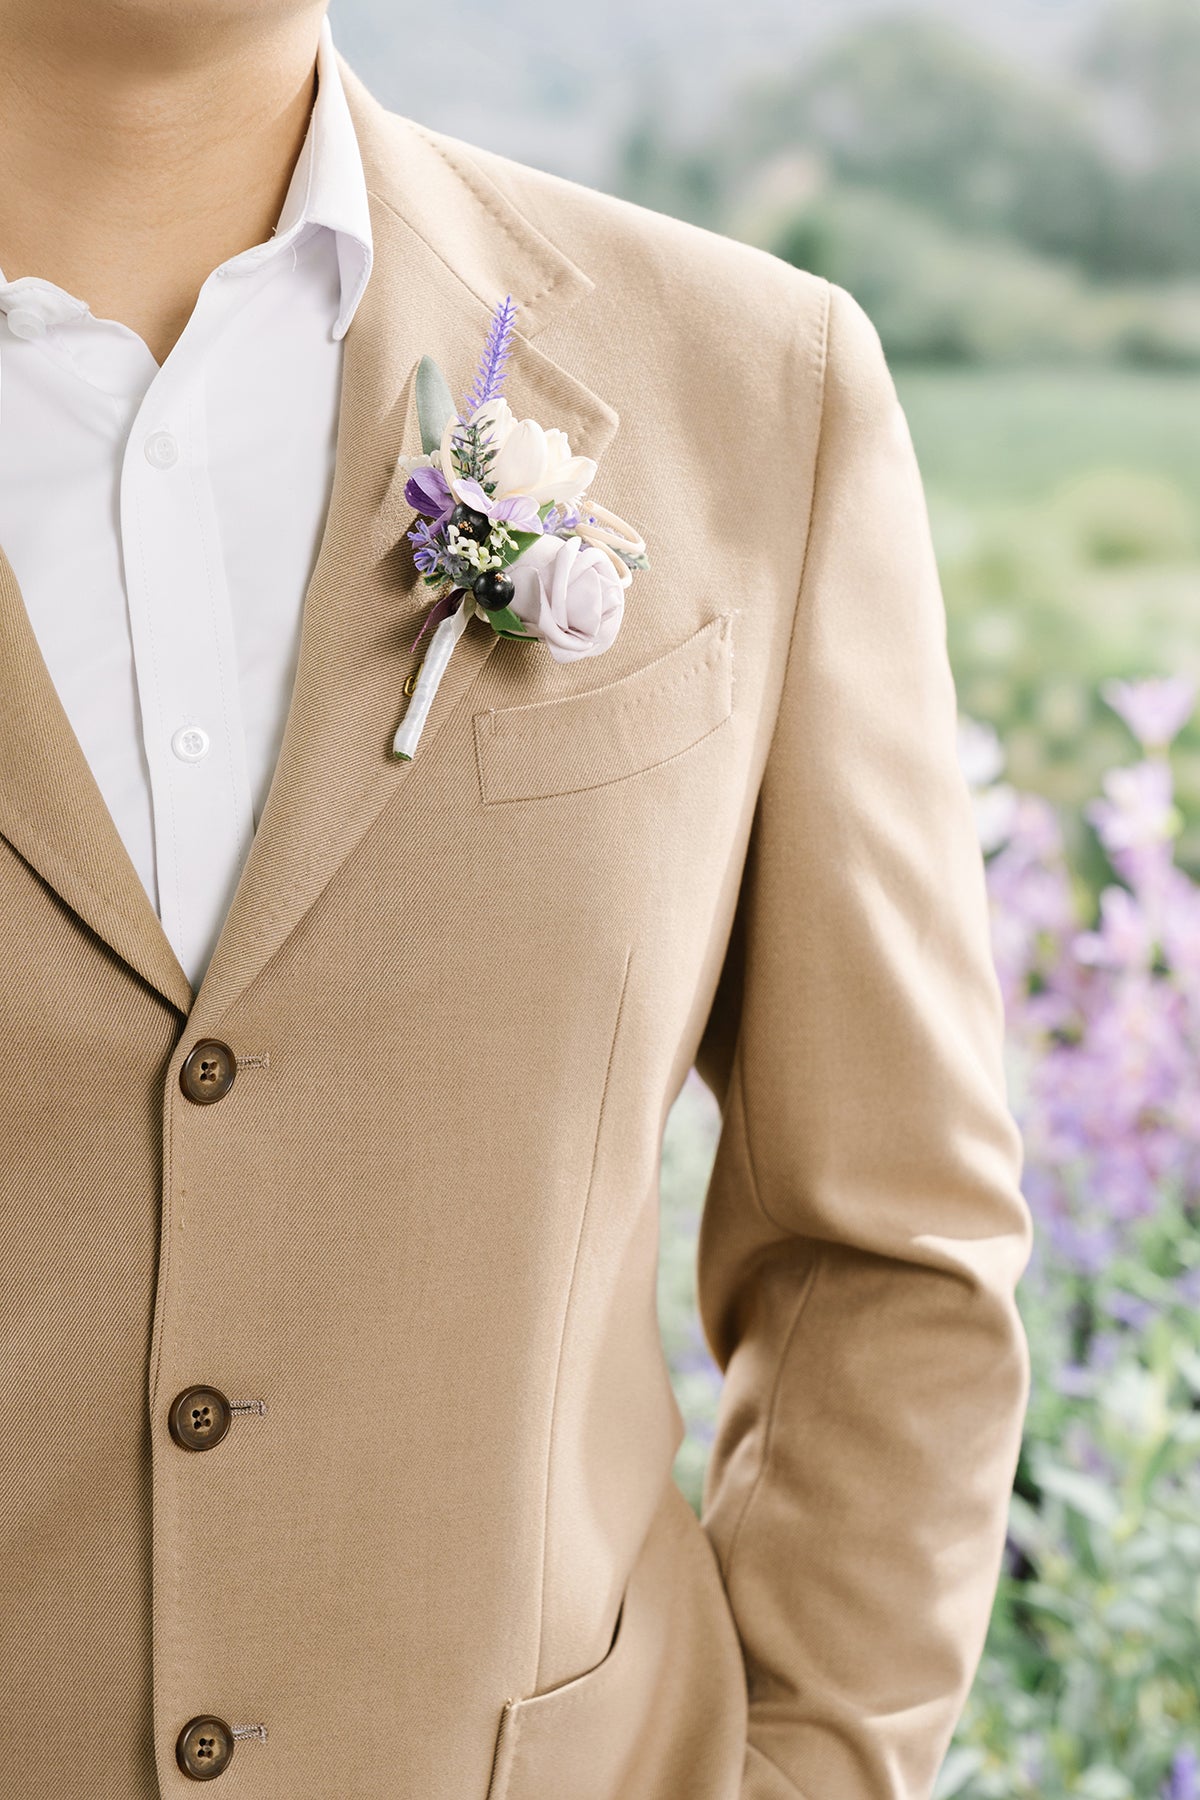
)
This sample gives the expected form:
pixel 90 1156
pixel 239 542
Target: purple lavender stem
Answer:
pixel 490 377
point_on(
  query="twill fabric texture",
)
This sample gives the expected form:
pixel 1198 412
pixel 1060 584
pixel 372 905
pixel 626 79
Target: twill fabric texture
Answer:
pixel 439 1554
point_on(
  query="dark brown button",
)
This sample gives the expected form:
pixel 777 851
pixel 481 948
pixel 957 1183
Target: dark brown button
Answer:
pixel 208 1071
pixel 204 1747
pixel 199 1417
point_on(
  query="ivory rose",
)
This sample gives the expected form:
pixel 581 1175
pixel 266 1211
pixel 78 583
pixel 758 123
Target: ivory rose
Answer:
pixel 530 460
pixel 570 594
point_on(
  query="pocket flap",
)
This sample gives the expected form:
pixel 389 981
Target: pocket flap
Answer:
pixel 645 718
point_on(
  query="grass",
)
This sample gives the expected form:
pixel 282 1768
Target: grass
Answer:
pixel 1012 434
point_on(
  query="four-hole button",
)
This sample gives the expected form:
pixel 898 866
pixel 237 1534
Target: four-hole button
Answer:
pixel 208 1070
pixel 204 1747
pixel 199 1417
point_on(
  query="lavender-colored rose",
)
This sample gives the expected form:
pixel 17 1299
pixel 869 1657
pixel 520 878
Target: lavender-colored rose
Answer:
pixel 570 593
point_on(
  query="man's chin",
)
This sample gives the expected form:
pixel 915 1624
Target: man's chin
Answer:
pixel 146 28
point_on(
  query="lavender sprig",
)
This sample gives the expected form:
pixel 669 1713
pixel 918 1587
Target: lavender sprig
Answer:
pixel 490 377
pixel 427 544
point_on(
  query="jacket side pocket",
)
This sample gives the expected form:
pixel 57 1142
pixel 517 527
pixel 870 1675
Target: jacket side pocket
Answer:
pixel 663 1712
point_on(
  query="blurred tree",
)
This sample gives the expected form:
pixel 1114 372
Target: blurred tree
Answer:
pixel 1145 58
pixel 920 110
pixel 1148 52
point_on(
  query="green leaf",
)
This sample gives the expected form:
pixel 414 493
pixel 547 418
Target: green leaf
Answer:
pixel 963 1763
pixel 1083 1493
pixel 505 621
pixel 521 540
pixel 435 405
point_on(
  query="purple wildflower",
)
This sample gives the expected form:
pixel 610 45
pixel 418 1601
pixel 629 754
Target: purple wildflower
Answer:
pixel 1184 1780
pixel 490 377
pixel 1137 812
pixel 1104 1043
pixel 1155 711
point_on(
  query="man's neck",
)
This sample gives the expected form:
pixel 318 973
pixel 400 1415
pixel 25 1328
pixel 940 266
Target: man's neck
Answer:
pixel 132 162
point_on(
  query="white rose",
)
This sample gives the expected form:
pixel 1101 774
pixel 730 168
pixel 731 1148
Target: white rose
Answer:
pixel 570 594
pixel 530 460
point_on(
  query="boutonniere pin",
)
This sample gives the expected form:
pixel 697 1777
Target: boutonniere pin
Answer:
pixel 506 521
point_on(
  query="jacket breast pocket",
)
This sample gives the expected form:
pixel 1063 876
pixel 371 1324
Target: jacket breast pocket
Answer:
pixel 586 740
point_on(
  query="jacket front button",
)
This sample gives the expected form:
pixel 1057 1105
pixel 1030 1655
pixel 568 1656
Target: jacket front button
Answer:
pixel 199 1417
pixel 208 1070
pixel 204 1747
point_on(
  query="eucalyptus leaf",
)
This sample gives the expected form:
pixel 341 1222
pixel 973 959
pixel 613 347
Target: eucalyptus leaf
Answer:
pixel 435 404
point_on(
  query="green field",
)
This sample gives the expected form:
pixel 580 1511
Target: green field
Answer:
pixel 992 434
pixel 1066 515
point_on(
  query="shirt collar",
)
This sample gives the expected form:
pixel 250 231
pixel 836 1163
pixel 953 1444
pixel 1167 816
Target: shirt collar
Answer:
pixel 328 186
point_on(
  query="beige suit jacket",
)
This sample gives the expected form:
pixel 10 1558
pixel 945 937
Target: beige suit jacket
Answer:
pixel 438 1554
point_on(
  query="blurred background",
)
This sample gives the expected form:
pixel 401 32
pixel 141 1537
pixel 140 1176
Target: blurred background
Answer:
pixel 1014 195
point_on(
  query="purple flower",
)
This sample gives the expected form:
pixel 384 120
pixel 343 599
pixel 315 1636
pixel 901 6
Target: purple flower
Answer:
pixel 428 492
pixel 427 547
pixel 1155 711
pixel 518 510
pixel 1138 811
pixel 1103 1040
pixel 1183 1782
pixel 1129 1309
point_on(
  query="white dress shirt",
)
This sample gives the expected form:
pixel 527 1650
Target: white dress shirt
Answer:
pixel 163 522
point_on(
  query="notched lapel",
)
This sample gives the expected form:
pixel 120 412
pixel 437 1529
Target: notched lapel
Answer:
pixel 440 242
pixel 53 813
pixel 448 246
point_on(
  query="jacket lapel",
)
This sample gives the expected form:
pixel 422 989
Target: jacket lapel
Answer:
pixel 54 815
pixel 448 246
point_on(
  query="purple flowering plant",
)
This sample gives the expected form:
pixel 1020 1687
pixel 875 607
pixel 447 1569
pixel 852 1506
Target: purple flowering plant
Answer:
pixel 1090 1680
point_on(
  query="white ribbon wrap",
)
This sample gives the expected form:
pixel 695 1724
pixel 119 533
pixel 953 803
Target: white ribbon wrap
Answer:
pixel 445 635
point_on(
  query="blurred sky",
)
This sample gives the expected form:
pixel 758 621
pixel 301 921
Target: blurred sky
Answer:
pixel 552 86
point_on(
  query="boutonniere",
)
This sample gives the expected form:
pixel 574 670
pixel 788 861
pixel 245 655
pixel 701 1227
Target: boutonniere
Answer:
pixel 506 520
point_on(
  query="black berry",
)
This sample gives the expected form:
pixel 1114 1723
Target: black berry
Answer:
pixel 493 589
pixel 470 523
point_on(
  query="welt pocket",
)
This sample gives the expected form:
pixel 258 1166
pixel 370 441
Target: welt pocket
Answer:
pixel 606 733
pixel 665 1709
pixel 566 1734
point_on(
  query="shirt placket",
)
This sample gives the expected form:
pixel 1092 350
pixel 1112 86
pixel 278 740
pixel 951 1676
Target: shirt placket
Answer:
pixel 185 654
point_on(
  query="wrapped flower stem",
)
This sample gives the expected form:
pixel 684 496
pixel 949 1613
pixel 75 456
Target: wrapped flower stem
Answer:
pixel 447 634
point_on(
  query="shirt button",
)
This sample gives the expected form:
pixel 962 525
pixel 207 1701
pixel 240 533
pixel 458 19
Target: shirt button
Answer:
pixel 204 1747
pixel 190 743
pixel 161 450
pixel 207 1071
pixel 26 322
pixel 199 1418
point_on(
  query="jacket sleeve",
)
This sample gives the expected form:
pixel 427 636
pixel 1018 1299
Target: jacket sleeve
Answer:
pixel 864 1229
